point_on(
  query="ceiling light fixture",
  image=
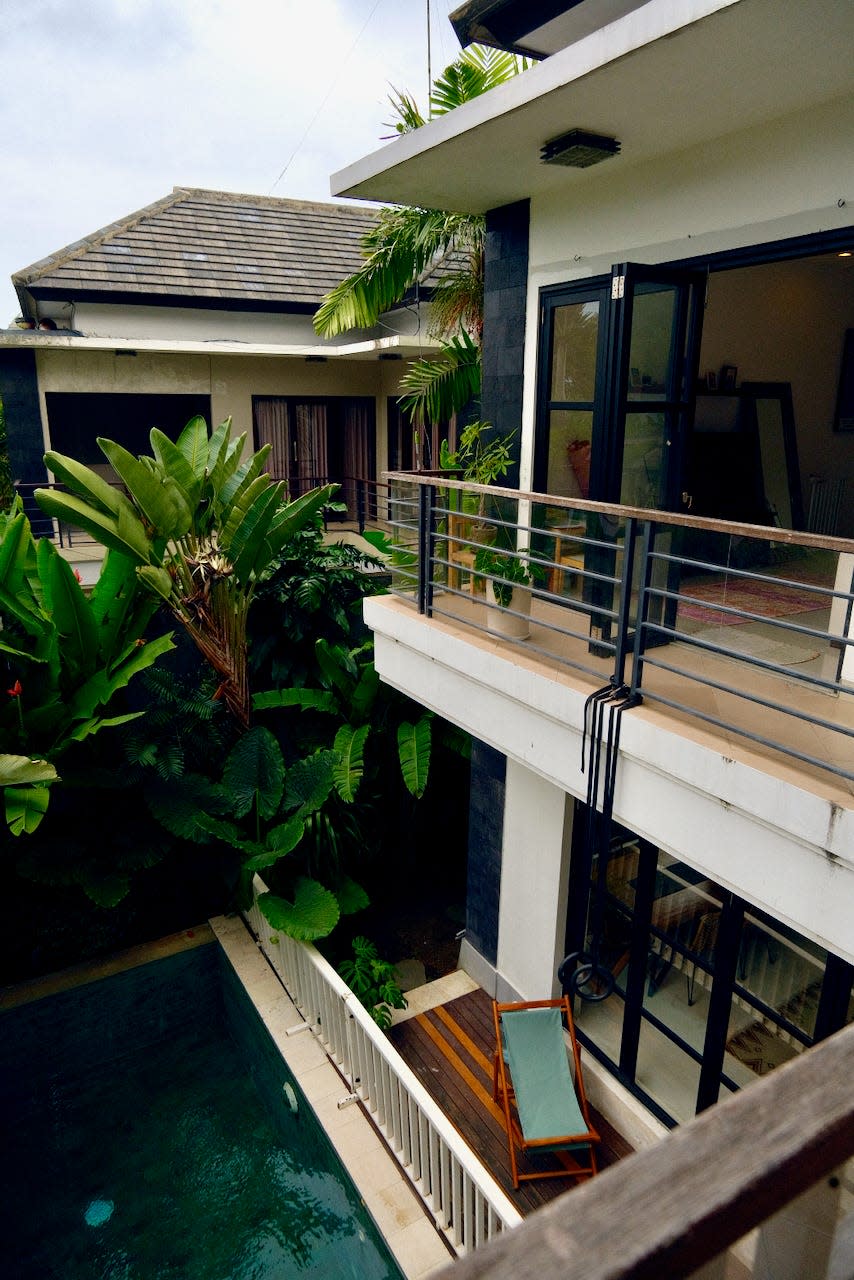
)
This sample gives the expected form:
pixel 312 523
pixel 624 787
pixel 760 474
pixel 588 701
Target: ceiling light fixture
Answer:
pixel 579 149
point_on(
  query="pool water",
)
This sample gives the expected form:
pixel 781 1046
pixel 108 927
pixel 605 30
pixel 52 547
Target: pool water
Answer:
pixel 149 1135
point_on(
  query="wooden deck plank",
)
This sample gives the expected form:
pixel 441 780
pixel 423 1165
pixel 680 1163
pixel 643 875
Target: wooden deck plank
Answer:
pixel 450 1048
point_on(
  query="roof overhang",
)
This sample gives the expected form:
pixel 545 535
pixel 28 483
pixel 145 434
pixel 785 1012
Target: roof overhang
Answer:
pixel 663 78
pixel 534 28
pixel 396 346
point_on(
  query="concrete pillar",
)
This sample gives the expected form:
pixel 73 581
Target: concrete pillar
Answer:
pixel 534 874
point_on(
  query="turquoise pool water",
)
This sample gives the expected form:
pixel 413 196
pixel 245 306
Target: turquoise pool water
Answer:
pixel 148 1135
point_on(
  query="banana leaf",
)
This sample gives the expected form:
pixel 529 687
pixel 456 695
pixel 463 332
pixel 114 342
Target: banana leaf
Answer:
pixel 193 444
pixel 87 484
pixel 70 611
pixel 173 462
pixel 25 808
pixel 350 765
pixel 155 492
pixel 413 747
pixel 123 532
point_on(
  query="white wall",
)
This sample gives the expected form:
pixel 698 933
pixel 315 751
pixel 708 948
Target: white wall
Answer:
pixel 765 183
pixel 534 878
pixel 784 848
pixel 231 381
pixel 112 320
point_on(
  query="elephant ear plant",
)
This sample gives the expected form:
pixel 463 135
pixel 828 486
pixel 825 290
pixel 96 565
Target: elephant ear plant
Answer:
pixel 201 526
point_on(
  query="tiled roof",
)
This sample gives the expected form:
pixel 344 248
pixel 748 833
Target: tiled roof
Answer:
pixel 209 245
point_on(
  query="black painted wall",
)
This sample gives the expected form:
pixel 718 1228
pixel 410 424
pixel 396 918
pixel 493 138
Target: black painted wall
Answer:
pixel 504 299
pixel 505 289
pixel 19 393
pixel 486 822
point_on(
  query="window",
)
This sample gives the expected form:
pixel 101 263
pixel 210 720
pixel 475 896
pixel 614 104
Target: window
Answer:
pixel 709 993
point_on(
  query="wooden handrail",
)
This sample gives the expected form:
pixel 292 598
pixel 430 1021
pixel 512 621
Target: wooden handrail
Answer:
pixel 667 1211
pixel 763 533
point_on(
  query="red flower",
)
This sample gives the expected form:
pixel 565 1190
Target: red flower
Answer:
pixel 16 690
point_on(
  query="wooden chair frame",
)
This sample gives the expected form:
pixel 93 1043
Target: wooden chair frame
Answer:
pixel 573 1163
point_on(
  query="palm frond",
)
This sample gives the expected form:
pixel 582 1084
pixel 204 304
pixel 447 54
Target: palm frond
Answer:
pixel 477 70
pixel 405 243
pixel 434 390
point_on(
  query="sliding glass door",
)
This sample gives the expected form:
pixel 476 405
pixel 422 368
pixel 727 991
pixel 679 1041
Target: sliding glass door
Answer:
pixel 318 441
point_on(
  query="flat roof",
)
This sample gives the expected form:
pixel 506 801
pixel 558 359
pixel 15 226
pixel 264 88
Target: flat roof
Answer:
pixel 660 79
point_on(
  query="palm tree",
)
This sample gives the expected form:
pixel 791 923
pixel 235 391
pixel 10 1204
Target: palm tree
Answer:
pixel 411 244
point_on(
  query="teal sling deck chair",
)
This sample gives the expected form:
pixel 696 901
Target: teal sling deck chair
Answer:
pixel 545 1109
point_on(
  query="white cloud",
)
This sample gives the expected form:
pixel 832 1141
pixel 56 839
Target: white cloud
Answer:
pixel 105 105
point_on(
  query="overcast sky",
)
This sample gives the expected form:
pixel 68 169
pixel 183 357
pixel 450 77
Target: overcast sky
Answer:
pixel 106 105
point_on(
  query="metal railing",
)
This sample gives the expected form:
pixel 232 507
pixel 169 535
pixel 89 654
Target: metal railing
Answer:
pixel 366 500
pixel 643 599
pixel 466 1202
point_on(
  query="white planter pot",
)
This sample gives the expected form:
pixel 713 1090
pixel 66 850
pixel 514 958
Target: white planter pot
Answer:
pixel 501 621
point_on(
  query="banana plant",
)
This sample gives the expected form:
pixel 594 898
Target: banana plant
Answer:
pixel 66 655
pixel 259 810
pixel 200 524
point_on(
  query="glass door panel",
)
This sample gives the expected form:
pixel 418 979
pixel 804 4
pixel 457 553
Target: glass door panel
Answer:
pixel 570 436
pixel 654 324
pixel 575 343
pixel 643 482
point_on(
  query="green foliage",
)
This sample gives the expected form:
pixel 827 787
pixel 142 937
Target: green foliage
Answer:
pixel 479 461
pixel 434 390
pixel 200 526
pixel 67 656
pixel 507 569
pixel 259 809
pixel 403 248
pixel 474 72
pixel 373 981
pixel 410 247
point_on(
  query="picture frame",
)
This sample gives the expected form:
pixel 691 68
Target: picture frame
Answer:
pixel 711 381
pixel 843 420
pixel 728 377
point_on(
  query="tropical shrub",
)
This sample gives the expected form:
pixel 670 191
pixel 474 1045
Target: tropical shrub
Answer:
pixel 200 525
pixel 374 981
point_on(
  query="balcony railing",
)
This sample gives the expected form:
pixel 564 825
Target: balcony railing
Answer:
pixel 466 1202
pixel 741 627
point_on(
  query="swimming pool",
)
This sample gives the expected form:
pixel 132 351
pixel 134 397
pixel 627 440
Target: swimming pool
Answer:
pixel 152 1132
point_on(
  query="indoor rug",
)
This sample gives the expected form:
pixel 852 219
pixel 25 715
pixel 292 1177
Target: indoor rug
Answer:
pixel 764 598
pixel 760 1049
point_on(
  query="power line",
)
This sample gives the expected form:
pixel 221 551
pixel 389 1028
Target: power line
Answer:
pixel 326 98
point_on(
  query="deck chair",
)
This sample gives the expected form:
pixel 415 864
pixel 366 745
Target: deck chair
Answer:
pixel 545 1109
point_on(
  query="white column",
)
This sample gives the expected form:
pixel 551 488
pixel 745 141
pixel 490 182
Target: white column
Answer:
pixel 534 871
pixel 838 612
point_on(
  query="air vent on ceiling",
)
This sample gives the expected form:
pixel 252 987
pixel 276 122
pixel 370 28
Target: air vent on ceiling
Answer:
pixel 579 149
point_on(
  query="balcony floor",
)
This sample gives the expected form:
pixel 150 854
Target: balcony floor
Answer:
pixel 450 1050
pixel 559 643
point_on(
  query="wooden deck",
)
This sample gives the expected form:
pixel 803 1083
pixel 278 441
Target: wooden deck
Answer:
pixel 450 1050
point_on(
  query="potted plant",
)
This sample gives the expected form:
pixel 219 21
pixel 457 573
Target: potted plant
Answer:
pixel 510 577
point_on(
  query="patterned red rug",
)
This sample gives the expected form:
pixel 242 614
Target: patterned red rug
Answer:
pixel 767 599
